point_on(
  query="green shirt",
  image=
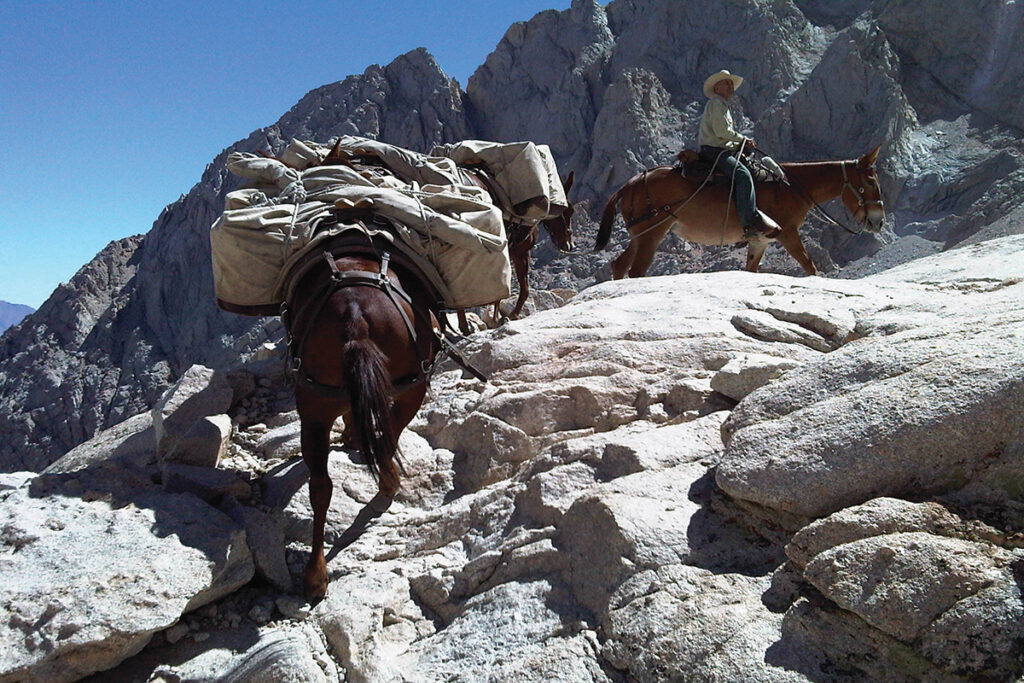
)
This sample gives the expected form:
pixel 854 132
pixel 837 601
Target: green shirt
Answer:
pixel 716 128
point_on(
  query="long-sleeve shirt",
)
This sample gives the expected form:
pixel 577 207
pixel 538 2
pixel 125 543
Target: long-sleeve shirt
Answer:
pixel 716 127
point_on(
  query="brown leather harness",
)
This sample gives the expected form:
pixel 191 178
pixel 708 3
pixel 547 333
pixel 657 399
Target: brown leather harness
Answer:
pixel 298 320
pixel 653 211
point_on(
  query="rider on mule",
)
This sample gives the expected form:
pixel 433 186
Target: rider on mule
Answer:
pixel 719 144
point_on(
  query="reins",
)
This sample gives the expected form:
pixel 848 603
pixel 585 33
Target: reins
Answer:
pixel 815 206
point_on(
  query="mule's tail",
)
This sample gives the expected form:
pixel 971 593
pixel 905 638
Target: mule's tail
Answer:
pixel 365 375
pixel 607 219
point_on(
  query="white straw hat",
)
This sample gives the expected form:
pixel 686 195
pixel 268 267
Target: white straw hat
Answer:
pixel 722 75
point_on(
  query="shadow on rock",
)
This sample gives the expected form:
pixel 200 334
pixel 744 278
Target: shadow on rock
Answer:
pixel 719 544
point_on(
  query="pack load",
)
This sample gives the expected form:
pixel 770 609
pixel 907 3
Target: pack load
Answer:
pixel 525 174
pixel 424 205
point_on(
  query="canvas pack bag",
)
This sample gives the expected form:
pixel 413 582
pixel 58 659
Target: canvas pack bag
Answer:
pixel 454 230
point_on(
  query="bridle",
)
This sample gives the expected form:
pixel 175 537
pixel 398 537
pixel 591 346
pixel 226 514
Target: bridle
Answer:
pixel 858 192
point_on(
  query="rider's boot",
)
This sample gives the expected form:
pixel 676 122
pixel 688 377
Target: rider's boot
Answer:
pixel 763 225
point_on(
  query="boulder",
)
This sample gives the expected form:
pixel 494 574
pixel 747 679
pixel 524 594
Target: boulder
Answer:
pixel 289 654
pixel 90 576
pixel 264 534
pixel 916 411
pixel 131 443
pixel 180 416
pixel 745 373
pixel 943 585
pixel 203 445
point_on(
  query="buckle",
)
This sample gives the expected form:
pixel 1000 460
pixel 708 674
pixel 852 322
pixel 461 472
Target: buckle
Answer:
pixel 383 275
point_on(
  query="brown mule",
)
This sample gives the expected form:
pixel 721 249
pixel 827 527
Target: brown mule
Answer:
pixel 659 200
pixel 521 240
pixel 362 351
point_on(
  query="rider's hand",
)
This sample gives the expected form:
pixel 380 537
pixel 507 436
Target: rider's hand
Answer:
pixel 751 143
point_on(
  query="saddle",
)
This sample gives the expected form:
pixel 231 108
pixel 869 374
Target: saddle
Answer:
pixel 692 167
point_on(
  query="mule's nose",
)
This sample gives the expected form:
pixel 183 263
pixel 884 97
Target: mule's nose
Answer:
pixel 876 219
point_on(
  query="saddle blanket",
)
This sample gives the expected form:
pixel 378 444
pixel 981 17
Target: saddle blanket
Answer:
pixel 453 228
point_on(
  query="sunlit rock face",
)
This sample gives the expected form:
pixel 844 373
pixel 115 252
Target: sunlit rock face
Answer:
pixel 600 509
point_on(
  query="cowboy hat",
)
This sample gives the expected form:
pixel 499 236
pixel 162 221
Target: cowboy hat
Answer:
pixel 722 75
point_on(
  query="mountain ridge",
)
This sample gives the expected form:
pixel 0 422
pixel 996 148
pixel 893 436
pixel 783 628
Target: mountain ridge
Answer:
pixel 613 89
pixel 11 314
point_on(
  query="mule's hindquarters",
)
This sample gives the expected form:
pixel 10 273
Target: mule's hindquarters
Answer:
pixel 356 347
pixel 364 399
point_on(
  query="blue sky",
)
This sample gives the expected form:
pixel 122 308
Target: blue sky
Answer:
pixel 109 111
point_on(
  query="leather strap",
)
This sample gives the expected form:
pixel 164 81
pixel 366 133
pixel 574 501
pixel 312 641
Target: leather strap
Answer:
pixel 338 280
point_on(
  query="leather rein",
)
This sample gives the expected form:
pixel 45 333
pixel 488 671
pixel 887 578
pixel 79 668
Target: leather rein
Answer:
pixel 847 185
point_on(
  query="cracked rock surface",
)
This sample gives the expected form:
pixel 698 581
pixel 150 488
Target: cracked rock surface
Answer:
pixel 596 511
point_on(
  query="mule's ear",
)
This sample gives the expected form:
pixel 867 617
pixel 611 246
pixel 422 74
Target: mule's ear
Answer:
pixel 870 158
pixel 567 183
pixel 335 152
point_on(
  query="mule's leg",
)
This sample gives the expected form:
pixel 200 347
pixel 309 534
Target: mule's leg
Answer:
pixel 789 238
pixel 315 438
pixel 524 288
pixel 648 245
pixel 520 255
pixel 402 411
pixel 463 322
pixel 755 250
pixel 623 261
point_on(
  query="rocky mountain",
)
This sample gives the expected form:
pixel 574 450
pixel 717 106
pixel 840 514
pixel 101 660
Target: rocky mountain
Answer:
pixel 12 314
pixel 613 89
pixel 723 476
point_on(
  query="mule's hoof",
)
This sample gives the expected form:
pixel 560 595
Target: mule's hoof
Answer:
pixel 314 589
pixel 315 580
pixel 388 484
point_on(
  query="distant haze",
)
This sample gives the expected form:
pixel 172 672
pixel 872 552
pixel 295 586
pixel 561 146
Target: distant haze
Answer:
pixel 12 314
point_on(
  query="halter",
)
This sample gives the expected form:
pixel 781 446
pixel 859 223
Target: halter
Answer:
pixel 858 192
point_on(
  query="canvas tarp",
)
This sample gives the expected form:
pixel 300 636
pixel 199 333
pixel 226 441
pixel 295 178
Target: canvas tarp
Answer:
pixel 524 172
pixel 454 227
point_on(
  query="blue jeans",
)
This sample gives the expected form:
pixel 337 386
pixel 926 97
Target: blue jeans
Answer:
pixel 743 183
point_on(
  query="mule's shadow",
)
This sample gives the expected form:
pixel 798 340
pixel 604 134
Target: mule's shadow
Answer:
pixel 377 506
